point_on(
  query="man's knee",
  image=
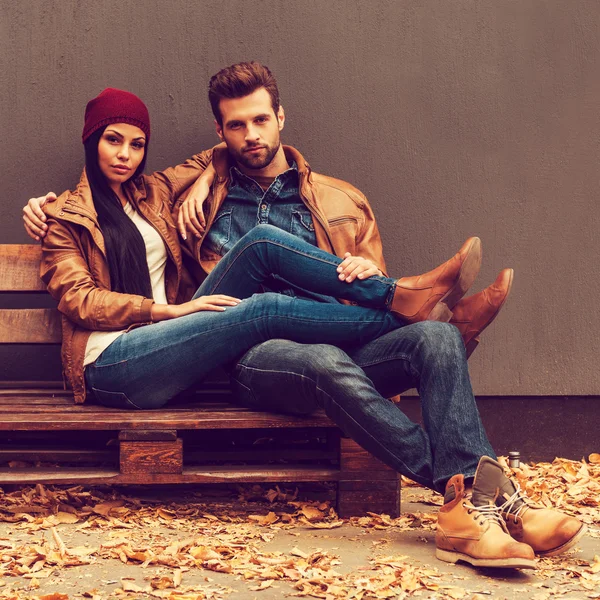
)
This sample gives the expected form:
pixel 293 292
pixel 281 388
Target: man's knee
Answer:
pixel 284 375
pixel 439 340
pixel 309 360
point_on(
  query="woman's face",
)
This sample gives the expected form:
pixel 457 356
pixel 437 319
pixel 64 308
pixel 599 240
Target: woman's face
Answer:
pixel 120 151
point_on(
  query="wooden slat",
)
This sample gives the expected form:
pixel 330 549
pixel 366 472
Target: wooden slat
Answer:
pixel 88 455
pixel 156 435
pixel 194 474
pixel 20 268
pixel 45 387
pixel 92 410
pixel 162 419
pixel 53 454
pixel 30 326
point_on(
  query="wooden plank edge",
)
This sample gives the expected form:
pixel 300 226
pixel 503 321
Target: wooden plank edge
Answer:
pixel 264 474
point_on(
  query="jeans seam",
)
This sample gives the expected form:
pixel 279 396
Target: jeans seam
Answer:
pixel 404 357
pixel 341 407
pixel 113 364
pixel 248 389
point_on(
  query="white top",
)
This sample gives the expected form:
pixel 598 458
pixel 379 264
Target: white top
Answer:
pixel 156 255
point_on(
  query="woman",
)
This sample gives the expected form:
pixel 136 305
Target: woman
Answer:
pixel 133 338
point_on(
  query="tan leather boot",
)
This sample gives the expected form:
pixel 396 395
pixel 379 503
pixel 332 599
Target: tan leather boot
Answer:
pixel 547 531
pixel 473 314
pixel 476 534
pixel 432 296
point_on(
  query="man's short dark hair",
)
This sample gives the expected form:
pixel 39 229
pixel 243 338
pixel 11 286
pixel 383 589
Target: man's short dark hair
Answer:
pixel 239 80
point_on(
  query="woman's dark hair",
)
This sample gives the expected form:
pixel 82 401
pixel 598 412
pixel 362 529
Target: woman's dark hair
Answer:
pixel 125 248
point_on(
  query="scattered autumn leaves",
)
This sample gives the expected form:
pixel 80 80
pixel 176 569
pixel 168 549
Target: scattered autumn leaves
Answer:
pixel 233 539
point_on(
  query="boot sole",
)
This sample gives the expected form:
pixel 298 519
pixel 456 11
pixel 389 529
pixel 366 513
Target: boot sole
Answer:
pixel 504 563
pixel 466 276
pixel 567 545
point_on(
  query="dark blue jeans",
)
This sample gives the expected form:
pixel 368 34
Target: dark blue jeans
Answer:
pixel 147 366
pixel 353 386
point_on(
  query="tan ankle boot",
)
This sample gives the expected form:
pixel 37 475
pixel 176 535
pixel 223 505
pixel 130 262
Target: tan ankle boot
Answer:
pixel 476 534
pixel 432 296
pixel 547 531
pixel 473 314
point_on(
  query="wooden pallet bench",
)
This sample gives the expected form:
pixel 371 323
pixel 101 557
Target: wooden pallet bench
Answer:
pixel 201 438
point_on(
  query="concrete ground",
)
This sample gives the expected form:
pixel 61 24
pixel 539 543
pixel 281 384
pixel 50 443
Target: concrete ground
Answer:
pixel 355 553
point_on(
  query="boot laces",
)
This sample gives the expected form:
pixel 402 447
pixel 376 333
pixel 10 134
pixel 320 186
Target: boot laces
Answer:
pixel 509 504
pixel 487 512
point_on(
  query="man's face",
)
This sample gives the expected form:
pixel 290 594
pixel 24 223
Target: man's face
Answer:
pixel 251 129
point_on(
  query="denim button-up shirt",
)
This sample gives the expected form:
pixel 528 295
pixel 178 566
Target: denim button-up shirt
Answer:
pixel 248 205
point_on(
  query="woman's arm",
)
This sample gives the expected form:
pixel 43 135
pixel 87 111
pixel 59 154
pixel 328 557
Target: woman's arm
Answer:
pixel 217 302
pixel 67 275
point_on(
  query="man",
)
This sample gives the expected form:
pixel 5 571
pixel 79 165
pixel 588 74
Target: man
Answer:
pixel 485 520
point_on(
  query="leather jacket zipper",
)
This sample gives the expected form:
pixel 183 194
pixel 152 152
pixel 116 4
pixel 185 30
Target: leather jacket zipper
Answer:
pixel 339 220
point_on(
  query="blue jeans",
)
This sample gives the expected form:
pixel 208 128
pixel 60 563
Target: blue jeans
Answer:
pixel 147 366
pixel 353 386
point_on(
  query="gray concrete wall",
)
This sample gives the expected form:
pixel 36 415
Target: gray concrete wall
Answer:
pixel 455 118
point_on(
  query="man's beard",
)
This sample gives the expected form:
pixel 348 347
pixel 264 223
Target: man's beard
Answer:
pixel 258 161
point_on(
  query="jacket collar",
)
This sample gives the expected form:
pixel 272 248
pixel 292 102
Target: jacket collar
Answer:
pixel 77 206
pixel 79 201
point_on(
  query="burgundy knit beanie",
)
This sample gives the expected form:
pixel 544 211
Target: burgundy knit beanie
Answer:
pixel 115 106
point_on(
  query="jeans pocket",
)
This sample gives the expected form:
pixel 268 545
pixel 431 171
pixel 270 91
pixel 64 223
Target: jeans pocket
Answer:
pixel 114 399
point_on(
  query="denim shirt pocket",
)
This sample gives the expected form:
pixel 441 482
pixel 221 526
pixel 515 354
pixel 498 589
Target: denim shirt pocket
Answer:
pixel 220 231
pixel 301 223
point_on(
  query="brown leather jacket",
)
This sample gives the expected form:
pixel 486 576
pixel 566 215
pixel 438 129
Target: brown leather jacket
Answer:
pixel 74 263
pixel 342 217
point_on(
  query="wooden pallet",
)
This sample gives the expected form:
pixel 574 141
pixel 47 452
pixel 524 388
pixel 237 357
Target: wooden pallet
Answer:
pixel 202 438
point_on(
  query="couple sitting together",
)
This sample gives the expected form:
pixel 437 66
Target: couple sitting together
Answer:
pixel 282 280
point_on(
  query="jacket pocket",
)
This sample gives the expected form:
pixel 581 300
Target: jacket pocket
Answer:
pixel 114 399
pixel 342 221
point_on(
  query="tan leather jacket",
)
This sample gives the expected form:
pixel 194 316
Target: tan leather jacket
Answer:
pixel 342 217
pixel 74 263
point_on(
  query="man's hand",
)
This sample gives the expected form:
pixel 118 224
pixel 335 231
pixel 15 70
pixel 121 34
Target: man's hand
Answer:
pixel 191 214
pixel 353 267
pixel 34 219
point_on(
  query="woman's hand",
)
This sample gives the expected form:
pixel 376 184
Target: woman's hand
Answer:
pixel 217 303
pixel 353 267
pixel 191 215
pixel 34 219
